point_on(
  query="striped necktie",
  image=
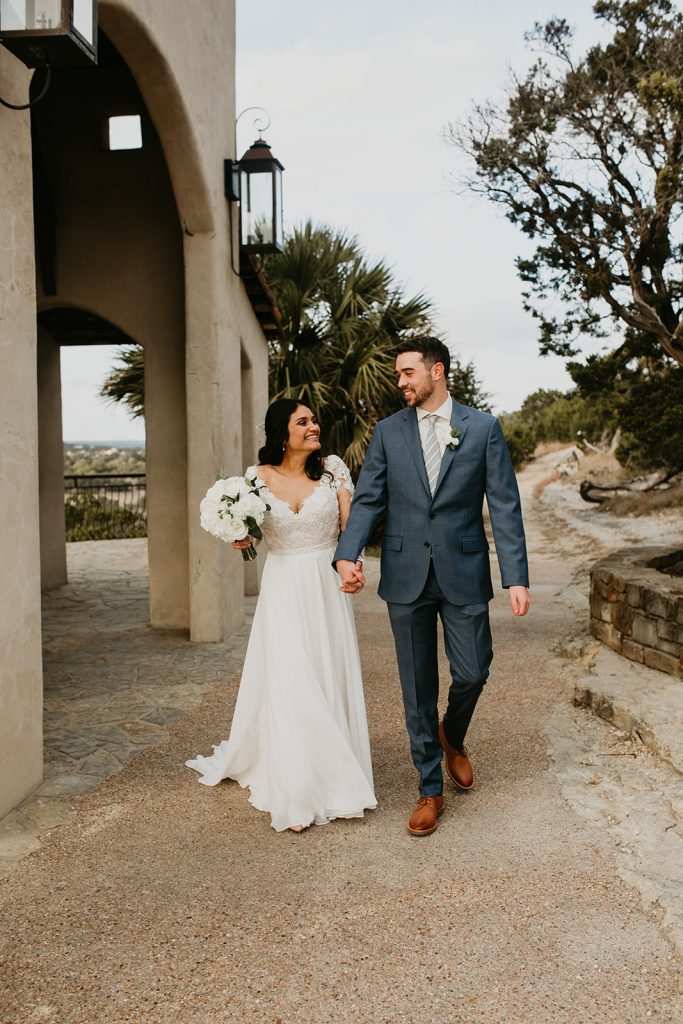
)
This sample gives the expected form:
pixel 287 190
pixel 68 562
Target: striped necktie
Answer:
pixel 432 453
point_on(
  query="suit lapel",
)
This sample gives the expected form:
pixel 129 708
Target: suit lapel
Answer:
pixel 411 432
pixel 459 417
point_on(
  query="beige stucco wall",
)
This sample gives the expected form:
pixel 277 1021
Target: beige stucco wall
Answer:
pixel 20 658
pixel 254 403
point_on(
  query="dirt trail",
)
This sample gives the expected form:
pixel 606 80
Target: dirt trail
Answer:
pixel 164 901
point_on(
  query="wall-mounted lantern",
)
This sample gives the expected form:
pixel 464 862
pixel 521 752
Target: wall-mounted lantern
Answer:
pixel 255 182
pixel 50 33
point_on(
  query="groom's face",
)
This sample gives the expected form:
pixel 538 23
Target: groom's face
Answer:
pixel 415 380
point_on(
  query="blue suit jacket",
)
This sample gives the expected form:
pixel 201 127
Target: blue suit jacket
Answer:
pixel 448 527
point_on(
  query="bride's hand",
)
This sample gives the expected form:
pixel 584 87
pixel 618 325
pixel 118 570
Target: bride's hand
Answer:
pixel 241 545
pixel 351 575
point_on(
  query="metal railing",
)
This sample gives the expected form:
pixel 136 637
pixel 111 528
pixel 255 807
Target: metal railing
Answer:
pixel 105 506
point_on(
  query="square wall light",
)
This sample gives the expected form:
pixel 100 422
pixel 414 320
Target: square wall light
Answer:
pixel 125 132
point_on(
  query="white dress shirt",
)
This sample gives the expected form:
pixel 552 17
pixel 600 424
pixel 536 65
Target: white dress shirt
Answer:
pixel 442 425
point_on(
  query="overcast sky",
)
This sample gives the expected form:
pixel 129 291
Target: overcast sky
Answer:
pixel 359 93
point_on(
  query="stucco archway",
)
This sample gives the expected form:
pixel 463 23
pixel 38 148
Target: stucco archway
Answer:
pixel 109 244
pixel 159 85
pixel 190 100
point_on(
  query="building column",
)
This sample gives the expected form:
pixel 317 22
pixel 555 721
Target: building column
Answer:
pixel 166 462
pixel 214 429
pixel 21 680
pixel 254 381
pixel 51 464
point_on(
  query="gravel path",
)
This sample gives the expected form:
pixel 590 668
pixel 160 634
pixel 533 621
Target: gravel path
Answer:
pixel 166 901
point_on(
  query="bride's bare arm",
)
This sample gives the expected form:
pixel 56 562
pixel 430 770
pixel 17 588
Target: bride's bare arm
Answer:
pixel 344 499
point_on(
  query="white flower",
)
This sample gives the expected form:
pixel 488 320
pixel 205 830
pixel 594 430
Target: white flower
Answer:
pixel 216 491
pixel 232 529
pixel 249 506
pixel 209 516
pixel 234 486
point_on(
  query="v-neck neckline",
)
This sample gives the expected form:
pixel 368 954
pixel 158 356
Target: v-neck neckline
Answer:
pixel 282 501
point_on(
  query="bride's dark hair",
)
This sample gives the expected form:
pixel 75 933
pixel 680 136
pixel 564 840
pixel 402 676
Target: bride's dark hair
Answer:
pixel 277 432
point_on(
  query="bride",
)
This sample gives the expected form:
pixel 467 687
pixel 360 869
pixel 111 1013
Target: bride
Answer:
pixel 299 735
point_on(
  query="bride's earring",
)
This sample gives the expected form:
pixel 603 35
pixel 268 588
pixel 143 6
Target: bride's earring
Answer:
pixel 284 446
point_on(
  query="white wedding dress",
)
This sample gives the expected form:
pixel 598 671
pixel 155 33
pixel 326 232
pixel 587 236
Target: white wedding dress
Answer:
pixel 299 735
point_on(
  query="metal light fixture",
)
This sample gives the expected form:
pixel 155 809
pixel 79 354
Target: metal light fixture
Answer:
pixel 261 219
pixel 50 33
pixel 255 182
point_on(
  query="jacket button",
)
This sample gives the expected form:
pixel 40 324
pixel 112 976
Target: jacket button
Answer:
pixel 432 515
pixel 426 543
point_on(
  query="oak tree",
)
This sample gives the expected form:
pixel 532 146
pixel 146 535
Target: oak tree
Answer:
pixel 586 158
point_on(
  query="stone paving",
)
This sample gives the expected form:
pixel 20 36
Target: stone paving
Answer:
pixel 111 683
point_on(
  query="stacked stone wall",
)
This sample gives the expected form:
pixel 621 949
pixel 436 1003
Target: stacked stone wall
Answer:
pixel 637 609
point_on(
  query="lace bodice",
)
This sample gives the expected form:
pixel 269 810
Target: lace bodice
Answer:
pixel 316 524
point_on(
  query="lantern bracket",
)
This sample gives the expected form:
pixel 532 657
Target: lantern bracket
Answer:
pixel 260 128
pixel 36 99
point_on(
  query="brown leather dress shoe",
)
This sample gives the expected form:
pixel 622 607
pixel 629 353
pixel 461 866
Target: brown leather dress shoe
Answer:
pixel 422 821
pixel 458 764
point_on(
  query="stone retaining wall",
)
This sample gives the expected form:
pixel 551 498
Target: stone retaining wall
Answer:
pixel 637 610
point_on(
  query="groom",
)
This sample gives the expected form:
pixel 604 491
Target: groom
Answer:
pixel 428 468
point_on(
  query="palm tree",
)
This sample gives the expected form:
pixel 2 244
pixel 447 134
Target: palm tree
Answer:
pixel 342 316
pixel 126 382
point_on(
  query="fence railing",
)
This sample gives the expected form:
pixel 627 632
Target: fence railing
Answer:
pixel 105 506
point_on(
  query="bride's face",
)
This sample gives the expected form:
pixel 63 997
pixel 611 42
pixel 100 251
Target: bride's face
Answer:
pixel 304 431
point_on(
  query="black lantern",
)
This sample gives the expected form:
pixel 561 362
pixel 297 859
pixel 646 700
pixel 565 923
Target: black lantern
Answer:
pixel 55 33
pixel 261 221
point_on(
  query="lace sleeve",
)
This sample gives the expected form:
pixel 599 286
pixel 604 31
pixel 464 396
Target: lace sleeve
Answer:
pixel 340 473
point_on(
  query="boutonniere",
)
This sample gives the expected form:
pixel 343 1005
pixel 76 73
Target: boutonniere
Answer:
pixel 455 439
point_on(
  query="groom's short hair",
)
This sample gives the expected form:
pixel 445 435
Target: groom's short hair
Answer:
pixel 431 349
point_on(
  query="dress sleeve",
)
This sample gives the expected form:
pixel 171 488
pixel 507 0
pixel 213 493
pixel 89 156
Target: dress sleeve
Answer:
pixel 340 473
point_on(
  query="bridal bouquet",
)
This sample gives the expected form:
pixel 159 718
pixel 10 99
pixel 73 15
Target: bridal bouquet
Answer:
pixel 234 509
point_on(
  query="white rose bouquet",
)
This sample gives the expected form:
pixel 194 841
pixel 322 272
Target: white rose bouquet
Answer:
pixel 234 509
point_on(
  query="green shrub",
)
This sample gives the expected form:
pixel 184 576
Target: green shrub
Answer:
pixel 520 440
pixel 651 417
pixel 91 518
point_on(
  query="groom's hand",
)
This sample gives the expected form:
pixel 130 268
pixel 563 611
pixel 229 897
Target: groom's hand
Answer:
pixel 520 600
pixel 351 575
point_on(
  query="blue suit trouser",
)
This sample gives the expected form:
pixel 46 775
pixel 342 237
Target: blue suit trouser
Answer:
pixel 467 640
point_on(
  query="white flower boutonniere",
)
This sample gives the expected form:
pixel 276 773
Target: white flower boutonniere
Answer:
pixel 454 442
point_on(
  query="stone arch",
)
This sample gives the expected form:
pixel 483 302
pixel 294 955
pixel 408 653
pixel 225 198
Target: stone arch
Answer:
pixel 71 324
pixel 163 97
pixel 109 243
pixel 59 325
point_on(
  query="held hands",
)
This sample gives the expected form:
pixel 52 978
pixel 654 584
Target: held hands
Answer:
pixel 520 600
pixel 351 575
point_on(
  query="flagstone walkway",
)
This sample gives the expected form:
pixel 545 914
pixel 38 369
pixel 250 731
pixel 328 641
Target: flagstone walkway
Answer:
pixel 112 685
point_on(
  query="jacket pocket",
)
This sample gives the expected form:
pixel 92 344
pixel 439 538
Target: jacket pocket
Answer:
pixel 392 543
pixel 471 544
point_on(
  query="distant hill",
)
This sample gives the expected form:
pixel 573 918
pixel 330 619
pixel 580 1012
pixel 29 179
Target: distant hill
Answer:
pixel 102 458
